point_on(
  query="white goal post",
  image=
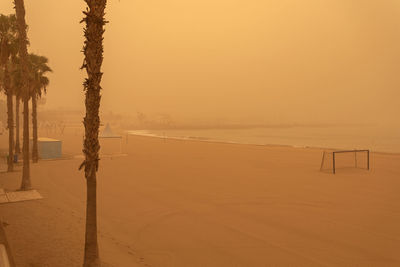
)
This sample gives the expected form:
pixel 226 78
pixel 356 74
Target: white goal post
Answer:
pixel 330 159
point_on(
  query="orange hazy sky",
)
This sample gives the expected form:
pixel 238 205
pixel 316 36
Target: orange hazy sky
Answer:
pixel 261 60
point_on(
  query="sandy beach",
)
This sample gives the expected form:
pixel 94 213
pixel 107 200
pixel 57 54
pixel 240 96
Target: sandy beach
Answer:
pixel 179 203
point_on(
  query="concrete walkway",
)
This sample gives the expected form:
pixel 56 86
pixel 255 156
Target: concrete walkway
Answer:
pixel 6 257
pixel 16 196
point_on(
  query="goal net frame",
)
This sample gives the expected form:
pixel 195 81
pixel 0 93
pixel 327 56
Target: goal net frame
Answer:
pixel 355 151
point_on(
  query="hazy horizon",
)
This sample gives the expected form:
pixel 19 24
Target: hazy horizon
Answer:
pixel 269 61
pixel 232 133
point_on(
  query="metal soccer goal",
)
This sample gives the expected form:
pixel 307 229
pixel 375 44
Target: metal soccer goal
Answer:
pixel 357 158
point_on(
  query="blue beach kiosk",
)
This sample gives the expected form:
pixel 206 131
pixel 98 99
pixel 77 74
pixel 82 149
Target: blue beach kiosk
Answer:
pixel 49 148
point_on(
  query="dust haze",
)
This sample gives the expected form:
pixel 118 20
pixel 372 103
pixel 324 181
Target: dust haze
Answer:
pixel 232 133
pixel 238 61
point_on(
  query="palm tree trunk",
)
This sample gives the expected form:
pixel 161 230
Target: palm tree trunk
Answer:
pixel 17 145
pixel 93 50
pixel 92 258
pixel 10 120
pixel 35 154
pixel 23 52
pixel 10 124
pixel 26 179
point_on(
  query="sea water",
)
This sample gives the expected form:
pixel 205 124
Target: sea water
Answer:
pixel 377 138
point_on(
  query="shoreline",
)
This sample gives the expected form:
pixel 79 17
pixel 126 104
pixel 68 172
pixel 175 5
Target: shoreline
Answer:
pixel 216 141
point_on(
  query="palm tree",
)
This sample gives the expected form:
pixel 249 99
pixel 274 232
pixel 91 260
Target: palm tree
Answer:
pixel 7 50
pixel 39 82
pixel 17 148
pixel 23 54
pixel 93 51
pixel 16 87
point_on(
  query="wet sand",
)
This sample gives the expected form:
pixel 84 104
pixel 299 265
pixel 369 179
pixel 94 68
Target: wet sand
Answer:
pixel 190 203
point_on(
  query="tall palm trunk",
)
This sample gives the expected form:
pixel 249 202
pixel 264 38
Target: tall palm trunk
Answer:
pixel 93 50
pixel 23 52
pixel 10 119
pixel 26 181
pixel 17 145
pixel 35 154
